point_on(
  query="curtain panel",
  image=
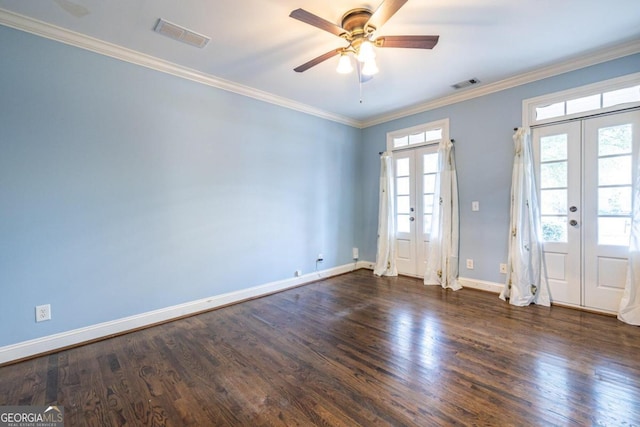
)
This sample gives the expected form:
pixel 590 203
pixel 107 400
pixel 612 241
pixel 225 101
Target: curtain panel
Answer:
pixel 442 259
pixel 386 253
pixel 629 311
pixel 526 281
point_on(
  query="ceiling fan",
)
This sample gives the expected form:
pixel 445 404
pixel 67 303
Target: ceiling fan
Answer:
pixel 357 27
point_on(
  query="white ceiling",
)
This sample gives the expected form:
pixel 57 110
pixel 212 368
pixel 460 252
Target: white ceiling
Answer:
pixel 254 43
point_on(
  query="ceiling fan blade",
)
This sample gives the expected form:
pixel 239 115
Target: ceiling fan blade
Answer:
pixel 411 42
pixel 316 61
pixel 385 11
pixel 316 21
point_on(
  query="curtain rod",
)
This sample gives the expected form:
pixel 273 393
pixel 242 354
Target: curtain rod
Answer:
pixel 380 153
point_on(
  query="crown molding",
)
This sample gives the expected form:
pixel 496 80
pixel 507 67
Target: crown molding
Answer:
pixel 572 64
pixel 43 29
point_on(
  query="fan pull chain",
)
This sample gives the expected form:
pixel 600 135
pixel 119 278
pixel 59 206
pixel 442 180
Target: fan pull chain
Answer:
pixel 360 84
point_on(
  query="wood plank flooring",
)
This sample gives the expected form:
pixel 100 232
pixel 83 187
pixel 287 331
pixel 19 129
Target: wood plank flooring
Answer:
pixel 350 350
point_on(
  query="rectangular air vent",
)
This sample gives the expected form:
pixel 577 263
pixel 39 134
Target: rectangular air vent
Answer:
pixel 181 34
pixel 465 83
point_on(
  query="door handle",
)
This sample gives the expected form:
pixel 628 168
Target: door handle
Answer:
pixel 412 219
pixel 573 222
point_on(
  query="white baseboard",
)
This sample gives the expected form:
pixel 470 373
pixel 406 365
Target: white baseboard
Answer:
pixel 481 285
pixel 61 340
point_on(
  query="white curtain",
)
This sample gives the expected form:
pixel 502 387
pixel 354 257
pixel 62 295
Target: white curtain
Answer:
pixel 629 311
pixel 526 276
pixel 442 258
pixel 386 255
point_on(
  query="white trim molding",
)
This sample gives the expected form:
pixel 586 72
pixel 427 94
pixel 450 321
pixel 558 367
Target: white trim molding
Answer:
pixel 34 347
pixel 482 285
pixel 43 29
pixel 52 32
pixel 572 64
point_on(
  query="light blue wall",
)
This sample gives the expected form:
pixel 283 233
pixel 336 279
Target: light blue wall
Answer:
pixel 482 129
pixel 124 190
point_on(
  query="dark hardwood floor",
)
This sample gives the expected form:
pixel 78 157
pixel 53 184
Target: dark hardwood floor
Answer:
pixel 351 350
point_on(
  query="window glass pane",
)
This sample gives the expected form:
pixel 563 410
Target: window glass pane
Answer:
pixel 427 224
pixel 400 141
pixel 434 134
pixel 614 231
pixel 402 206
pixel 549 111
pixel 402 167
pixel 614 170
pixel 416 138
pixel 621 96
pixel 402 186
pixel 403 224
pixel 614 140
pixel 553 175
pixel 431 163
pixel 587 103
pixel 429 185
pixel 614 201
pixel 554 229
pixel 553 202
pixel 427 203
pixel 553 147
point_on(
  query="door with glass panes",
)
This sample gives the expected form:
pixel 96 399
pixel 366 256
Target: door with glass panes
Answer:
pixel 585 185
pixel 415 176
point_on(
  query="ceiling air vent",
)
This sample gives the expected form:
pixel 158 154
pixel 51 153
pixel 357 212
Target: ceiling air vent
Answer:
pixel 465 83
pixel 181 34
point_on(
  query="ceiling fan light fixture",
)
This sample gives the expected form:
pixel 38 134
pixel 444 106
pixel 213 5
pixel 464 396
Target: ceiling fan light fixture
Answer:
pixel 370 67
pixel 366 51
pixel 344 64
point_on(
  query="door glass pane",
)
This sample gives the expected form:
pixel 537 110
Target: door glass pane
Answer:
pixel 553 147
pixel 402 186
pixel 428 203
pixel 402 167
pixel 621 96
pixel 549 111
pixel 403 224
pixel 402 206
pixel 434 135
pixel 614 170
pixel 553 202
pixel 614 201
pixel 554 228
pixel 416 138
pixel 614 140
pixel 430 163
pixel 429 183
pixel 587 103
pixel 401 141
pixel 553 175
pixel 614 231
pixel 427 223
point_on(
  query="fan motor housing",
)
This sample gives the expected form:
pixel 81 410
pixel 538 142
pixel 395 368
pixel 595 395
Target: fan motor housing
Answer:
pixel 355 20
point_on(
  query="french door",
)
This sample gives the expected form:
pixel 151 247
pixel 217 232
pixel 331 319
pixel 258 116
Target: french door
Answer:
pixel 585 181
pixel 415 177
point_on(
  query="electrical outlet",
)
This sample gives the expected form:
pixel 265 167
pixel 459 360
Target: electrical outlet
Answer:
pixel 320 258
pixel 298 273
pixel 354 253
pixel 469 264
pixel 43 312
pixel 503 268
